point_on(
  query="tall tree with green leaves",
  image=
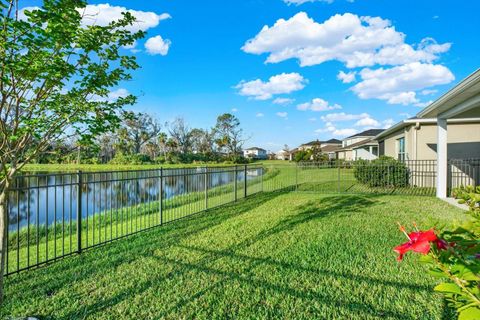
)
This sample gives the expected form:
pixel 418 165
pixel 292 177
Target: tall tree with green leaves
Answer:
pixel 56 74
pixel 229 134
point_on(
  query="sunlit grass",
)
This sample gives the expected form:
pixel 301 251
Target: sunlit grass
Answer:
pixel 275 255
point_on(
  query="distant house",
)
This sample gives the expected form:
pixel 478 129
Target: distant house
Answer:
pixel 282 155
pixel 360 146
pixel 327 147
pixel 255 153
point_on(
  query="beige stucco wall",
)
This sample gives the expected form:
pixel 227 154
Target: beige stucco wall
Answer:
pixel 463 141
pixel 345 155
pixel 347 142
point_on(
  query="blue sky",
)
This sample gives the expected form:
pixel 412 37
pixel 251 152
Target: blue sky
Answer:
pixel 213 57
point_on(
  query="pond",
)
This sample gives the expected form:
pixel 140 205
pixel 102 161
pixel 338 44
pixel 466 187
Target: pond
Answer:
pixel 39 198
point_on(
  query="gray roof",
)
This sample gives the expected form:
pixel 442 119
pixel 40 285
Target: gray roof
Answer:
pixel 367 133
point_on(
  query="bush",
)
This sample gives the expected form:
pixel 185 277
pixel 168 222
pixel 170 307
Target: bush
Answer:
pixel 468 195
pixel 382 172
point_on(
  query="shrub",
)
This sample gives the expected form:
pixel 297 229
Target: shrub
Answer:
pixel 468 195
pixel 382 172
pixel 454 258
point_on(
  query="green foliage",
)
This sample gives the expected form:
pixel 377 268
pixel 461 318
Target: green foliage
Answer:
pixel 468 195
pixel 457 262
pixel 382 172
pixel 302 155
pixel 56 75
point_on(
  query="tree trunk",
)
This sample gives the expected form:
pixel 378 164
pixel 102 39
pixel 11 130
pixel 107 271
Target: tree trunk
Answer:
pixel 3 236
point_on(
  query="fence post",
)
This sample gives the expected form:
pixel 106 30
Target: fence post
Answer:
pixel 296 176
pixel 235 183
pixel 261 173
pixel 206 188
pixel 160 190
pixel 338 177
pixel 79 210
pixel 245 182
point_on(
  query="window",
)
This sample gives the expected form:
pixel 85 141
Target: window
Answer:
pixel 401 149
pixel 375 151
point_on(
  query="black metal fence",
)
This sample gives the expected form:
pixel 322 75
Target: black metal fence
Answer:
pixel 409 177
pixel 51 216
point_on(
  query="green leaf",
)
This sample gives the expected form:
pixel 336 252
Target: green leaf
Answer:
pixel 472 313
pixel 448 287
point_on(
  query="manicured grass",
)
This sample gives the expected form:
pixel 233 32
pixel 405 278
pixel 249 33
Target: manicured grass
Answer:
pixel 113 167
pixel 275 255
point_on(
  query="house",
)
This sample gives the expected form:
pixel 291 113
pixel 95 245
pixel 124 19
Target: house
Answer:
pixel 282 155
pixel 360 146
pixel 328 147
pixel 447 129
pixel 255 153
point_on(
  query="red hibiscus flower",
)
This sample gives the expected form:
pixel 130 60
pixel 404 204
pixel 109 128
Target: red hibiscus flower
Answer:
pixel 418 241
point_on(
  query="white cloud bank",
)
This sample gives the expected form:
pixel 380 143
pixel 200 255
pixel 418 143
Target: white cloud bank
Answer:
pixel 104 13
pixel 283 101
pixel 342 116
pixel 157 45
pixel 358 42
pixel 318 104
pixel 397 85
pixel 280 84
pixel 354 40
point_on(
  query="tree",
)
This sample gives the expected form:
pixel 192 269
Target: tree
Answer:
pixel 137 131
pixel 317 154
pixel 56 74
pixel 229 135
pixel 162 142
pixel 202 141
pixel 180 133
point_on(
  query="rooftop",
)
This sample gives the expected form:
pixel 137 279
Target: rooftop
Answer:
pixel 367 133
pixel 315 142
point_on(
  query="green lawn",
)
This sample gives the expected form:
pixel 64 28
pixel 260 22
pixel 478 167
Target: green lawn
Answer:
pixel 275 255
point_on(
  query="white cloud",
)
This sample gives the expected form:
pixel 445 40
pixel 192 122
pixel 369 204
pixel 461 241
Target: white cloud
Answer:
pixel 428 92
pixel 283 101
pixel 282 114
pixel 367 122
pixel 103 14
pixel 347 77
pixel 312 119
pixel 387 123
pixel 423 104
pixel 342 116
pixel 112 96
pixel 318 104
pixel 344 132
pixel 234 110
pixel 331 129
pixel 299 2
pixel 354 40
pixel 397 85
pixel 259 115
pixel 157 45
pixel 280 84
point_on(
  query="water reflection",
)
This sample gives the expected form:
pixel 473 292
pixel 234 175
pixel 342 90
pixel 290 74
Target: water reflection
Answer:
pixel 37 194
